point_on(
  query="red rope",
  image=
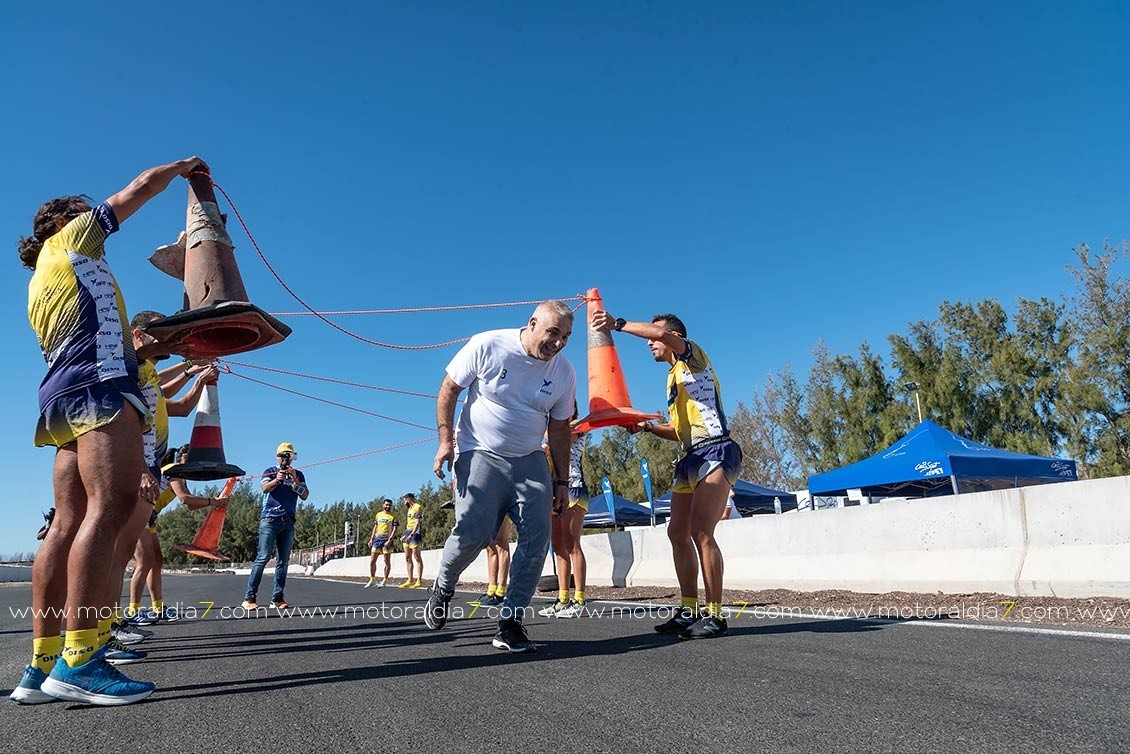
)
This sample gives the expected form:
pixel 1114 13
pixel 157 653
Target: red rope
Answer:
pixel 228 370
pixel 417 309
pixel 326 379
pixel 297 298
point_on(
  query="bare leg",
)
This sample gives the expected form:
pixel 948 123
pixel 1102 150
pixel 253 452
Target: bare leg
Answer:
pixel 388 565
pixel 572 527
pixel 124 549
pixel 143 564
pixel 708 502
pixel 110 465
pixel 492 565
pixel 49 574
pixel 156 585
pixel 373 565
pixel 560 555
pixel 682 547
pixel 504 565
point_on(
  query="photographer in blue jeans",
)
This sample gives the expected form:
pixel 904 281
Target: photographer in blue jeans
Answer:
pixel 283 485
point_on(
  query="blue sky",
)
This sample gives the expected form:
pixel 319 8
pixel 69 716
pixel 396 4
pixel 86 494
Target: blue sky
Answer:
pixel 774 173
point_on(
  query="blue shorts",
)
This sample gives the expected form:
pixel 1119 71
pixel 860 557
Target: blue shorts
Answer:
pixel 68 416
pixel 698 463
pixel 414 541
pixel 380 544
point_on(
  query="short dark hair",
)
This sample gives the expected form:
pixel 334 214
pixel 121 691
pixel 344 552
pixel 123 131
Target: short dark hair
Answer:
pixel 43 225
pixel 674 324
pixel 143 318
pixel 386 500
pixel 409 496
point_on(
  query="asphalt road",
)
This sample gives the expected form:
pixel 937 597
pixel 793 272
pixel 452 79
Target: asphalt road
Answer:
pixel 382 682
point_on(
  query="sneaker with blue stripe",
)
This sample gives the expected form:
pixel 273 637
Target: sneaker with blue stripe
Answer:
pixel 117 653
pixel 30 689
pixel 95 682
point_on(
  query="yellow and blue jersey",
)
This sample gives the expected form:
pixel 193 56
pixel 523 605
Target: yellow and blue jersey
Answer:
pixel 694 399
pixel 384 523
pixel 415 517
pixel 77 310
pixel 155 440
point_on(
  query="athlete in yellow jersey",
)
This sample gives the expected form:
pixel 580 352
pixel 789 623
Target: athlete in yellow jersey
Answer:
pixel 412 539
pixel 384 529
pixel 703 477
pixel 91 412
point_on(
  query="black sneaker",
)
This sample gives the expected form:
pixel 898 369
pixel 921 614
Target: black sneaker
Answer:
pixel 435 612
pixel 707 628
pixel 512 637
pixel 682 620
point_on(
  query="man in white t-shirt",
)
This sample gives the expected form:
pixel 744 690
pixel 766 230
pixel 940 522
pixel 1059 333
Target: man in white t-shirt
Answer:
pixel 517 382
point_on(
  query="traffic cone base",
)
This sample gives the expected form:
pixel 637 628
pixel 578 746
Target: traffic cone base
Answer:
pixel 611 417
pixel 203 471
pixel 217 330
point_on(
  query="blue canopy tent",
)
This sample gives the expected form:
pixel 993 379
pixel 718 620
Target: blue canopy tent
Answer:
pixel 932 460
pixel 627 512
pixel 749 498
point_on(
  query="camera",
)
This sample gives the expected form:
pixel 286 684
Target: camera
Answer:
pixel 284 461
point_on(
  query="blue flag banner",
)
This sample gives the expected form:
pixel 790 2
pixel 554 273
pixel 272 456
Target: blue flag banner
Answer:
pixel 645 472
pixel 608 498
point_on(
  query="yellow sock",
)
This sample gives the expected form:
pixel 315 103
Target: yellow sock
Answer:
pixel 691 602
pixel 133 608
pixel 44 651
pixel 490 590
pixel 79 646
pixel 563 596
pixel 104 630
pixel 500 591
pixel 158 605
pixel 714 608
pixel 579 597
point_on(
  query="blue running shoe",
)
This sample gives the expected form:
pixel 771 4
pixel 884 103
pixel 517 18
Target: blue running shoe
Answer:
pixel 142 617
pixel 168 615
pixel 95 682
pixel 117 653
pixel 29 691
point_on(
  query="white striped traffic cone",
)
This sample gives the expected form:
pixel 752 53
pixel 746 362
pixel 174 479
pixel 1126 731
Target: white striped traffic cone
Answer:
pixel 206 460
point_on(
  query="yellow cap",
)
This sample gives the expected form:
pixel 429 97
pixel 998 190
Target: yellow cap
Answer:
pixel 285 447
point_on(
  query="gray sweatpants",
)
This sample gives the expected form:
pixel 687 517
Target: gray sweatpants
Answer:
pixel 488 488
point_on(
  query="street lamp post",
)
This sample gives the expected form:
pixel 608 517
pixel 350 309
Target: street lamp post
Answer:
pixel 912 387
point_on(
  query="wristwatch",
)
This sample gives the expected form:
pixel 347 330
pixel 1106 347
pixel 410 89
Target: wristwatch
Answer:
pixel 620 322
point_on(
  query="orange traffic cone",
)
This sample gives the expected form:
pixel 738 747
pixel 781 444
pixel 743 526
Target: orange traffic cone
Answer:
pixel 219 319
pixel 206 543
pixel 206 448
pixel 609 404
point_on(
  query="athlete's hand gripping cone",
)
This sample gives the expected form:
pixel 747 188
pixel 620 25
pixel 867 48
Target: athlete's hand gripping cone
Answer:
pixel 609 404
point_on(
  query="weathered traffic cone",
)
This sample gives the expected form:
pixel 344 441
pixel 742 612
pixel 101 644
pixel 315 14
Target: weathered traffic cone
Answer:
pixel 219 320
pixel 206 543
pixel 609 404
pixel 206 460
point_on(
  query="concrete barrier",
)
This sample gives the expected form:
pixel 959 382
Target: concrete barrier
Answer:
pixel 1069 540
pixel 1078 537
